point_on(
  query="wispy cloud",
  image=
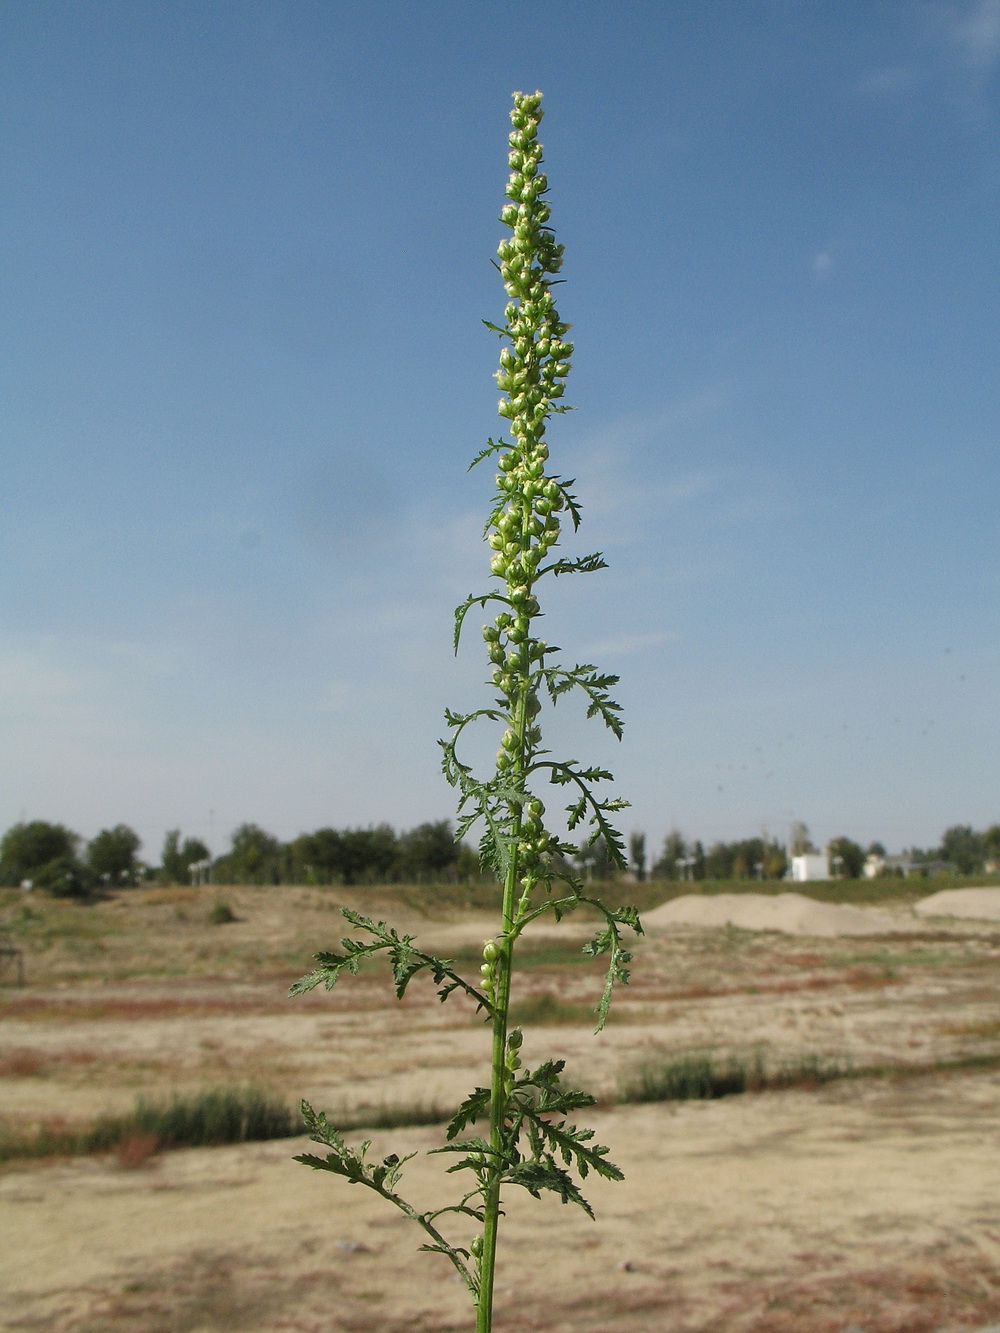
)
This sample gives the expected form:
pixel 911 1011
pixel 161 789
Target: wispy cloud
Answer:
pixel 977 35
pixel 29 676
pixel 623 645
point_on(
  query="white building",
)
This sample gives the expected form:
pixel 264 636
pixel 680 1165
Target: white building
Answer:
pixel 815 865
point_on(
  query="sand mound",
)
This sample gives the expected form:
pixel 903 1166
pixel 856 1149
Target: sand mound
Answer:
pixel 977 904
pixel 790 913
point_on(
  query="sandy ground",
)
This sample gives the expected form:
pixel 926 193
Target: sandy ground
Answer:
pixel 868 1202
pixel 971 904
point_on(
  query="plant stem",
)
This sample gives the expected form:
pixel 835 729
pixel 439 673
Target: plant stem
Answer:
pixel 498 1073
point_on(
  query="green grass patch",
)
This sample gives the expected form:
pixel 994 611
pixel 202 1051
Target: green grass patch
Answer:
pixel 697 1077
pixel 208 1118
pixel 393 1116
pixel 701 1077
pixel 545 1007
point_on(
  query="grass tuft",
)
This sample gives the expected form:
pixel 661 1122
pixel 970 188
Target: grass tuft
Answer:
pixel 704 1077
pixel 209 1117
pixel 547 1008
pixel 393 1116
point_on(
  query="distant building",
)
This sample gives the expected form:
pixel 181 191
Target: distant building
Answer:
pixel 814 865
pixel 904 865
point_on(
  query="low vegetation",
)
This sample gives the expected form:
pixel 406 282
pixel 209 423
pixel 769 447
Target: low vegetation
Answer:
pixel 207 1118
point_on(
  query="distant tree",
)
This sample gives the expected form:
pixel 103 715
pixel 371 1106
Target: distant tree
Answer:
pixel 467 864
pixel 849 856
pixel 875 849
pixel 719 861
pixel 177 858
pixel 254 858
pixel 26 848
pixel 964 848
pixel 637 855
pixel 192 851
pixel 743 863
pixel 991 842
pixel 697 854
pixel 775 861
pixel 674 851
pixel 111 856
pixel 593 860
pixel 799 842
pixel 427 852
pixel 369 855
pixel 64 877
pixel 172 868
pixel 317 858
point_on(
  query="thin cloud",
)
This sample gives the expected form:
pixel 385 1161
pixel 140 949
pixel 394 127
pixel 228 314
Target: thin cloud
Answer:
pixel 622 645
pixel 978 35
pixel 29 676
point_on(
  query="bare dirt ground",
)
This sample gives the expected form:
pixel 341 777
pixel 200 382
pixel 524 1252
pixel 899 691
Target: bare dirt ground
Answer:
pixel 869 1203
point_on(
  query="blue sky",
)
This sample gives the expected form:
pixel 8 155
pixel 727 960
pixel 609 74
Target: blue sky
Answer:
pixel 248 252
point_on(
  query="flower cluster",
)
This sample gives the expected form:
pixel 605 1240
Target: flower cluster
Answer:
pixel 525 524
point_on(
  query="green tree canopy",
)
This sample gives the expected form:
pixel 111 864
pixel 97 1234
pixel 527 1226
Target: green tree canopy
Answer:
pixel 848 857
pixel 112 854
pixel 178 857
pixel 26 848
pixel 637 854
pixel 674 851
pixel 427 851
pixel 254 858
pixel 964 848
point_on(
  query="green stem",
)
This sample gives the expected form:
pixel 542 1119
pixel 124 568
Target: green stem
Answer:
pixel 501 1006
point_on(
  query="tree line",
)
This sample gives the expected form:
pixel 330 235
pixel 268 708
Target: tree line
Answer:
pixel 54 858
pixel 962 848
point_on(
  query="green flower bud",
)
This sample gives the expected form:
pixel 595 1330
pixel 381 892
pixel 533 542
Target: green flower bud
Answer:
pixel 476 1247
pixel 514 1038
pixel 490 951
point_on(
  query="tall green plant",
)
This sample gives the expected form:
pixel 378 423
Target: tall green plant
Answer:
pixel 529 1141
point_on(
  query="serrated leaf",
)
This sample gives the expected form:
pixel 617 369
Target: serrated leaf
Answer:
pixel 473 1108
